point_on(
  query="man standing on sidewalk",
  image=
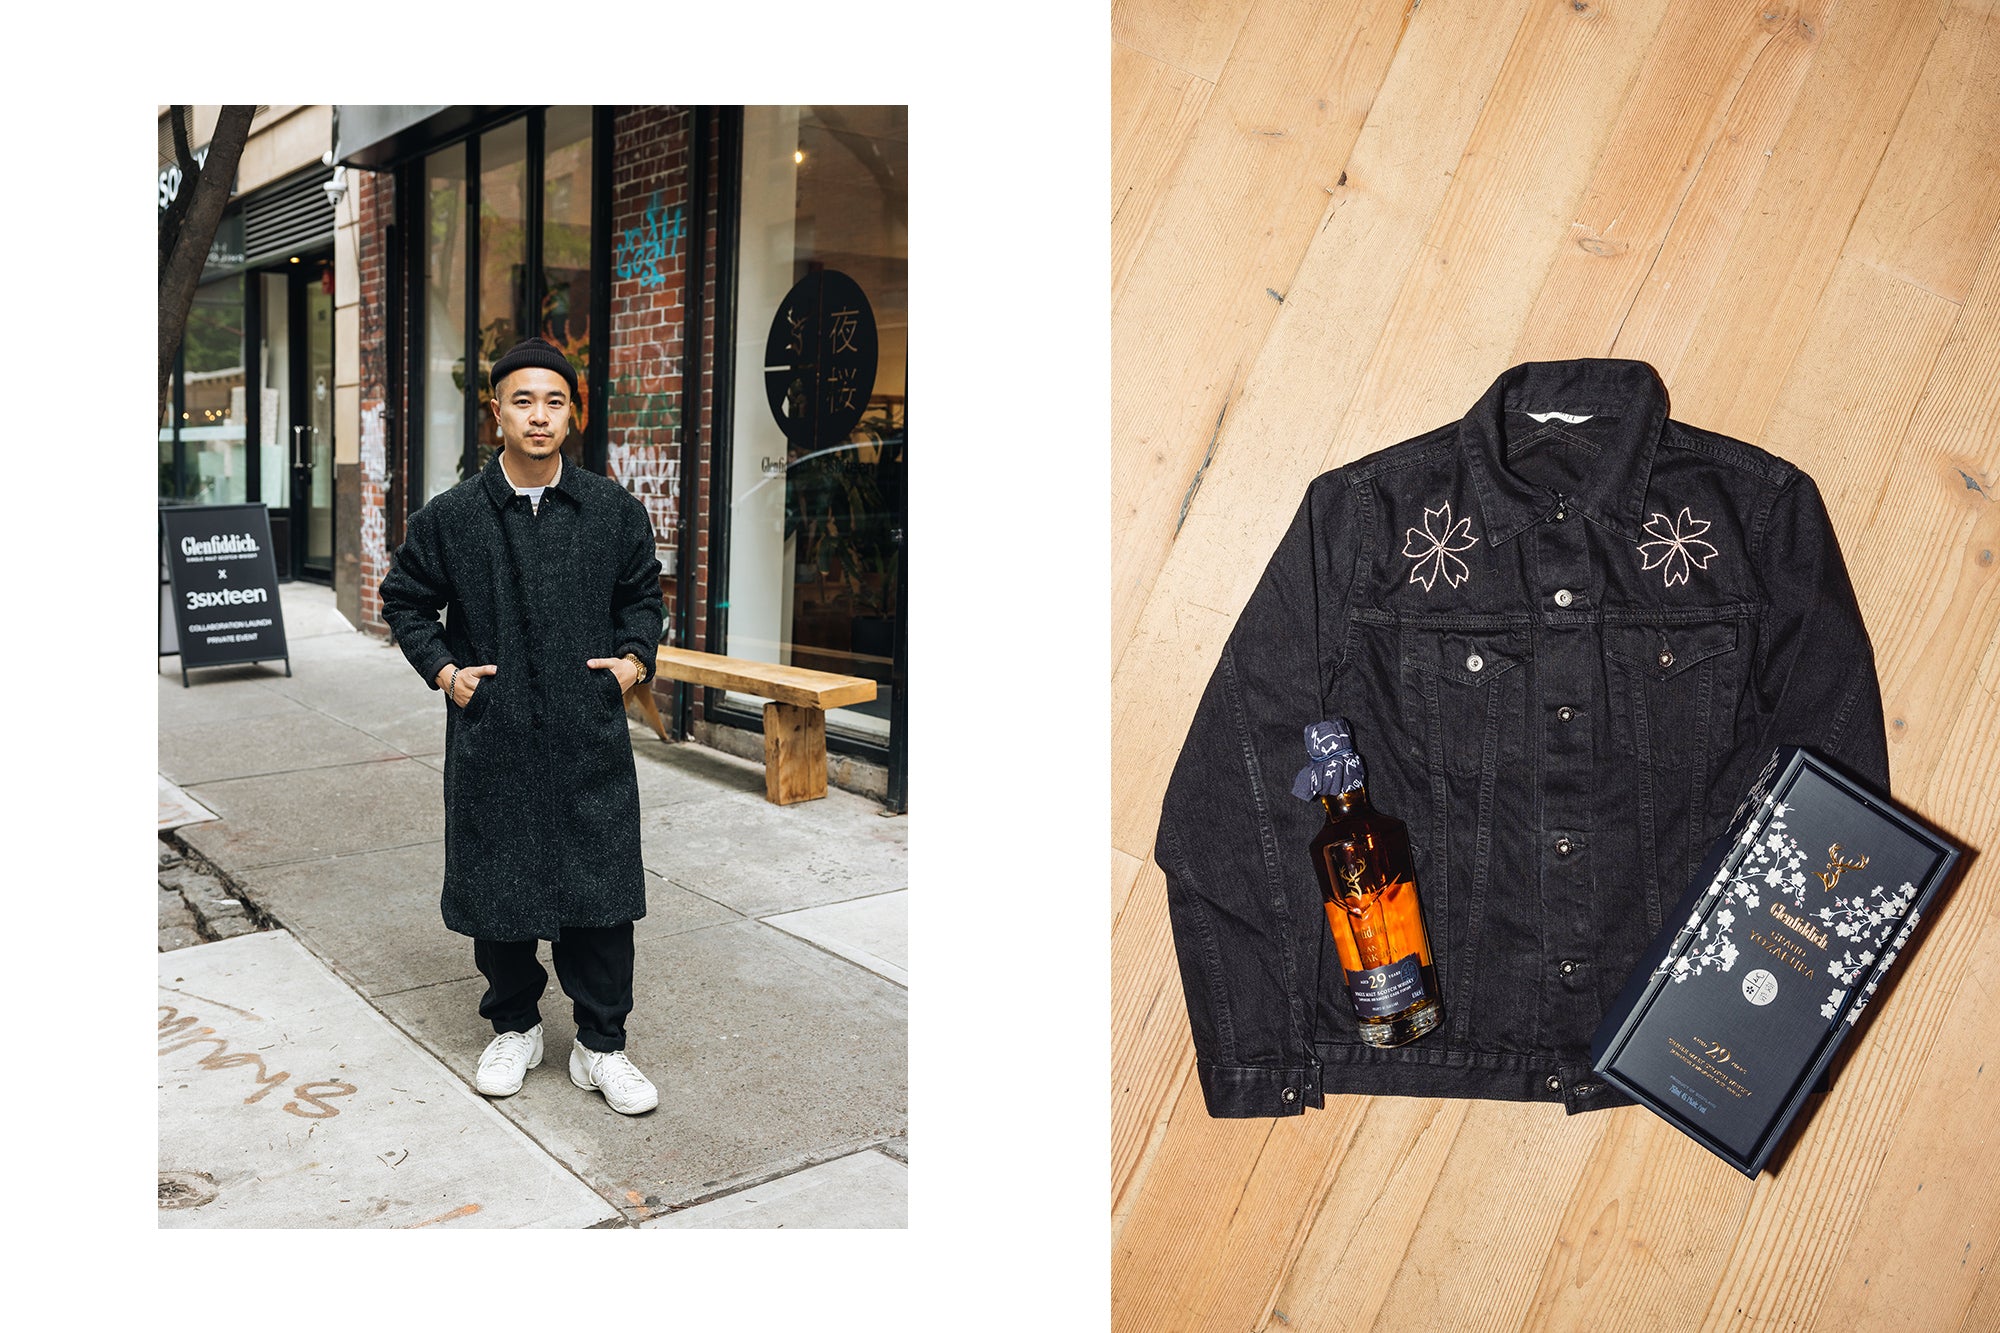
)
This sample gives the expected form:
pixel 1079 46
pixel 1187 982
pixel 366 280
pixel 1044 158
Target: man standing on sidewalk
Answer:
pixel 550 589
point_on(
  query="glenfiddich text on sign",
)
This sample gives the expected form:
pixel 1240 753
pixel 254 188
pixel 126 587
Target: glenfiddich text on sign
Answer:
pixel 229 544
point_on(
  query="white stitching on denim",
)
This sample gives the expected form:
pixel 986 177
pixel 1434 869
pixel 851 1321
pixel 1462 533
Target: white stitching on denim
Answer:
pixel 1676 547
pixel 1445 538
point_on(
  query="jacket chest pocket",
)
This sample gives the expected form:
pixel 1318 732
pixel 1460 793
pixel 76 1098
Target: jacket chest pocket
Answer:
pixel 1460 687
pixel 1674 685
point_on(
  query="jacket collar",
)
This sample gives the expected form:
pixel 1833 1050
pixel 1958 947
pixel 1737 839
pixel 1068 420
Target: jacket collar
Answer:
pixel 1614 494
pixel 500 490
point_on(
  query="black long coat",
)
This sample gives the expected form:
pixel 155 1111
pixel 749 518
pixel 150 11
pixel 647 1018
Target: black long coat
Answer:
pixel 541 800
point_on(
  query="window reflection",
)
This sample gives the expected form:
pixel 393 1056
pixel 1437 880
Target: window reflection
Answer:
pixel 503 261
pixel 444 320
pixel 564 315
pixel 212 411
pixel 509 305
pixel 816 525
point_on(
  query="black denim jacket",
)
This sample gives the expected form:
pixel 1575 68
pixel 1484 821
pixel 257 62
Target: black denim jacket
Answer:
pixel 1567 631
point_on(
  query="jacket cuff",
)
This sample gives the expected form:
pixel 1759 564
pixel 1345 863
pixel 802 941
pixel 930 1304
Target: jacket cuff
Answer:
pixel 435 665
pixel 1240 1092
pixel 645 653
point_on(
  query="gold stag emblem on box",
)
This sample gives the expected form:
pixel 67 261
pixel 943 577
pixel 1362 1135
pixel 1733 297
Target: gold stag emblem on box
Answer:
pixel 1835 866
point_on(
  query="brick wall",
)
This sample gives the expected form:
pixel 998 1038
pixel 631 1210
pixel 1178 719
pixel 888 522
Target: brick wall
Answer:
pixel 374 210
pixel 649 240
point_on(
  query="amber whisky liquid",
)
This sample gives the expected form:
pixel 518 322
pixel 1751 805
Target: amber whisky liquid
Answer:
pixel 1362 858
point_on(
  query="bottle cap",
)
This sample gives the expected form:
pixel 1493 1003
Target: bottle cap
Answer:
pixel 1335 767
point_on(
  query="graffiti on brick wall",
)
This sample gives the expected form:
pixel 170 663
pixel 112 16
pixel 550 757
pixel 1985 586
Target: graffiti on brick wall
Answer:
pixel 640 251
pixel 654 475
pixel 635 409
pixel 374 478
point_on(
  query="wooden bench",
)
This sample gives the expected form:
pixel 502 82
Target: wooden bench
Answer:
pixel 794 720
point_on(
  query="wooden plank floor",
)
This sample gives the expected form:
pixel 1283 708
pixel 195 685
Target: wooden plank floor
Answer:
pixel 1332 225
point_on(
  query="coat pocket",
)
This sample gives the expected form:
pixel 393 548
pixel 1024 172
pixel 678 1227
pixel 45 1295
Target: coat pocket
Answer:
pixel 1668 681
pixel 1453 683
pixel 481 700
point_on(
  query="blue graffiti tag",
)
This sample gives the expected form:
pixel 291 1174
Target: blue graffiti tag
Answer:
pixel 641 250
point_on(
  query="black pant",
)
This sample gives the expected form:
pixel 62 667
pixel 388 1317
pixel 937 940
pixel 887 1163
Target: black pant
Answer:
pixel 594 965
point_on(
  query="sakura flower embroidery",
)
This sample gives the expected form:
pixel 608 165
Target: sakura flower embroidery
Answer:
pixel 1432 547
pixel 1676 545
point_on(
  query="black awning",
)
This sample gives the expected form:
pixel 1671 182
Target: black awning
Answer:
pixel 374 137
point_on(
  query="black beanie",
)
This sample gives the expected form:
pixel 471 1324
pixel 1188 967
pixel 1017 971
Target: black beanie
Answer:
pixel 532 352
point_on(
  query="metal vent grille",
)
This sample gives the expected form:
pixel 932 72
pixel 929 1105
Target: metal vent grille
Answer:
pixel 289 217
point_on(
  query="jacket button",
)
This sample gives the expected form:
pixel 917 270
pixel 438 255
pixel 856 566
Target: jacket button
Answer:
pixel 1565 713
pixel 1563 597
pixel 1474 662
pixel 1563 845
pixel 1555 1084
pixel 1290 1094
pixel 1568 967
pixel 1666 658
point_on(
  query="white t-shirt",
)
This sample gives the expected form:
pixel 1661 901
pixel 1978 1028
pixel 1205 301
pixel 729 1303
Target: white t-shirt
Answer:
pixel 534 493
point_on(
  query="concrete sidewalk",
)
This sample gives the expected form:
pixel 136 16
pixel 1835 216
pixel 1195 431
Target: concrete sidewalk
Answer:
pixel 771 1004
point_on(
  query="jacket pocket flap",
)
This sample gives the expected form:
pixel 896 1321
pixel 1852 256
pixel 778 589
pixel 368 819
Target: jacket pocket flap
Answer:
pixel 1664 651
pixel 1471 657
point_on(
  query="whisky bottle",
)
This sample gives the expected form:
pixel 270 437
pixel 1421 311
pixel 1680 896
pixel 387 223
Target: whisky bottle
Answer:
pixel 1362 858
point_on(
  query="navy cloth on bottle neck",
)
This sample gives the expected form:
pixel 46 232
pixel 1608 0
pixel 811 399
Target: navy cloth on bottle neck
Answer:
pixel 1335 767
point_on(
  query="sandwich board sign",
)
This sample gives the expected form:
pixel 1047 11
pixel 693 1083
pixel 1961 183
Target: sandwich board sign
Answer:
pixel 222 586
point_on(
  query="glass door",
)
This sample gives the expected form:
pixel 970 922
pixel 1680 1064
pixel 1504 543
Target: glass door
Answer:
pixel 309 428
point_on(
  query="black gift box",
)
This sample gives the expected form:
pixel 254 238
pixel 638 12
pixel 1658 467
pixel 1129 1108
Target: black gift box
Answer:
pixel 1793 922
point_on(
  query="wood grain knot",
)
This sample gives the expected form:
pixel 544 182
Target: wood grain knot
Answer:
pixel 1591 1255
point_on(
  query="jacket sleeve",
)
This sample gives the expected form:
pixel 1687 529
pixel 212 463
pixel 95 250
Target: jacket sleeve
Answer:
pixel 414 590
pixel 1245 908
pixel 1815 671
pixel 637 609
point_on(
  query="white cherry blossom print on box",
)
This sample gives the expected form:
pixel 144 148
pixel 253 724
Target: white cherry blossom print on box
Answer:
pixel 1434 547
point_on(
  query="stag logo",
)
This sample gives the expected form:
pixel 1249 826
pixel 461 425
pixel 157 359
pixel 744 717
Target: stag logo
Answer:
pixel 1835 866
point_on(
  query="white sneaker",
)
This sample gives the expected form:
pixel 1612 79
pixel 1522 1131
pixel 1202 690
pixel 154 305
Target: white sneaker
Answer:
pixel 627 1090
pixel 507 1060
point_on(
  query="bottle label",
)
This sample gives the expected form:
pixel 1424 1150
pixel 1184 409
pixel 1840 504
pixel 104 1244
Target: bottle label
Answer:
pixel 1390 989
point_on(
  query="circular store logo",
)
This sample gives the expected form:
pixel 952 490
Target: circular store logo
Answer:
pixel 820 360
pixel 1760 987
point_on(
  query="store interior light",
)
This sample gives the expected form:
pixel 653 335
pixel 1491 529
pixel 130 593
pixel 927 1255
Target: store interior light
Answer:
pixel 798 155
pixel 295 259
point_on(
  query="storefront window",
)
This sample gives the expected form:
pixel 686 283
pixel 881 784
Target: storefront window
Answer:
pixel 822 335
pixel 215 467
pixel 444 320
pixel 565 286
pixel 504 305
pixel 503 260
